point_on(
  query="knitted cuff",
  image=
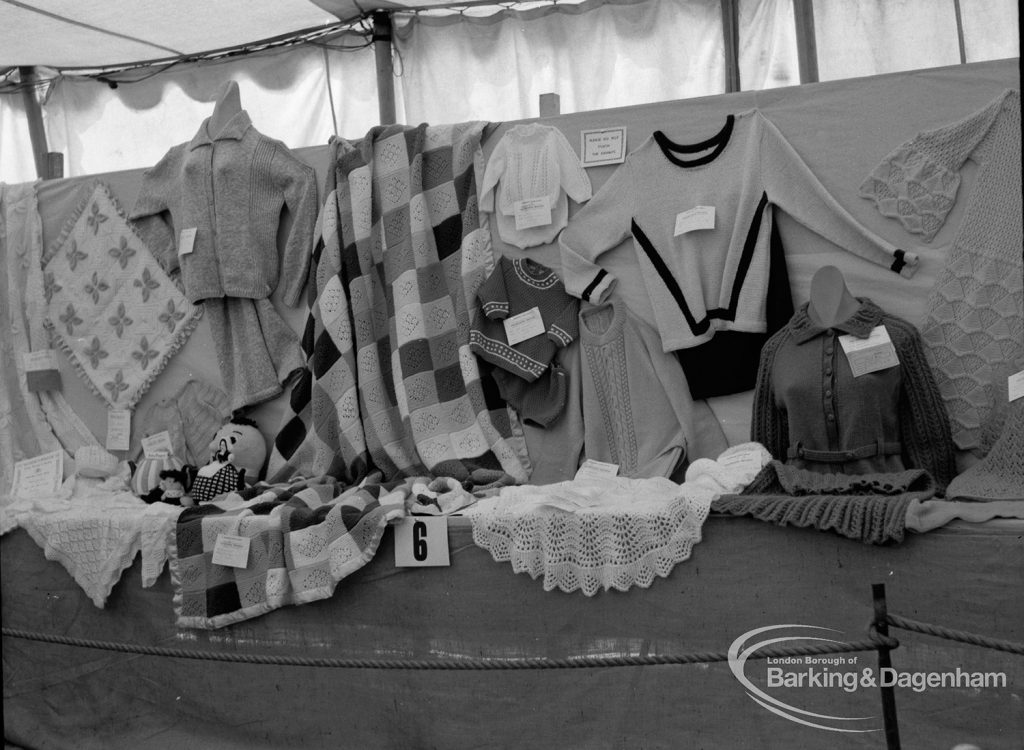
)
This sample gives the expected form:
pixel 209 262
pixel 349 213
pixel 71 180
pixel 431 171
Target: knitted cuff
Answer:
pixel 598 290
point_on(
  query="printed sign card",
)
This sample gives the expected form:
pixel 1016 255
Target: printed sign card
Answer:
pixel 874 353
pixel 40 476
pixel 603 146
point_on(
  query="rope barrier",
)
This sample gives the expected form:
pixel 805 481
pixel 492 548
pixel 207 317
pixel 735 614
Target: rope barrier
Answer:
pixel 582 662
pixel 955 635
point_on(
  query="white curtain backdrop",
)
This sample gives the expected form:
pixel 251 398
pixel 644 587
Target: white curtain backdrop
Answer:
pixel 595 55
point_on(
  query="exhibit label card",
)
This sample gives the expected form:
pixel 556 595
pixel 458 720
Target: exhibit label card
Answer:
pixel 744 459
pixel 603 146
pixel 187 240
pixel 41 371
pixel 523 326
pixel 1015 386
pixel 119 429
pixel 592 469
pixel 533 212
pixel 40 476
pixel 231 550
pixel 698 217
pixel 874 353
pixel 156 444
pixel 421 541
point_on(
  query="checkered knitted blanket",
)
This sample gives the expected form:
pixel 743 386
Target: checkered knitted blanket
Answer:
pixel 390 382
pixel 303 539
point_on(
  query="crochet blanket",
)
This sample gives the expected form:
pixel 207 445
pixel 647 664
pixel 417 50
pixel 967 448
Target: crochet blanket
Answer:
pixel 113 309
pixel 390 383
pixel 303 539
pixel 871 507
pixel 588 535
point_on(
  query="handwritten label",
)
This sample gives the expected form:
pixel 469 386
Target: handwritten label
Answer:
pixel 160 443
pixel 231 550
pixel 187 240
pixel 41 373
pixel 592 469
pixel 38 477
pixel 874 353
pixel 421 542
pixel 742 459
pixel 1015 386
pixel 119 429
pixel 698 217
pixel 523 326
pixel 604 146
pixel 533 212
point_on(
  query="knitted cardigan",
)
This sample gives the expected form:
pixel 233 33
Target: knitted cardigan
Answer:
pixel 974 327
pixel 231 188
pixel 809 409
pixel 532 161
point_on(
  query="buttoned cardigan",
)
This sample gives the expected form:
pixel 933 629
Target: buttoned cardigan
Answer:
pixel 231 188
pixel 810 410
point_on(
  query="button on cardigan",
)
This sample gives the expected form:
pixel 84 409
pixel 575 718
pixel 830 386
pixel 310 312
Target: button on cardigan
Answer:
pixel 232 188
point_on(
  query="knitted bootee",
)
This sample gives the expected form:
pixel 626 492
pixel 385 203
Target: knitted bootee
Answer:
pixel 1000 475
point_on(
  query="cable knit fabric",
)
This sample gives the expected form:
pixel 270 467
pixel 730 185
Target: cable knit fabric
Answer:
pixel 974 327
pixel 588 535
pixel 809 409
pixel 871 508
pixel 532 161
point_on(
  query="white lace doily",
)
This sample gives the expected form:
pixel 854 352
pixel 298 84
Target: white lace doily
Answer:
pixel 588 535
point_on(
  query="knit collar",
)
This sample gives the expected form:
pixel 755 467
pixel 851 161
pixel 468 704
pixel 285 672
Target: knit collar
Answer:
pixel 860 324
pixel 233 131
pixel 717 143
pixel 534 274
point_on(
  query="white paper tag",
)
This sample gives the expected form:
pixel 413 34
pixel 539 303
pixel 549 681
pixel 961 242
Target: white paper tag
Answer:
pixel 745 460
pixel 523 326
pixel 603 146
pixel 1015 386
pixel 158 443
pixel 43 359
pixel 231 550
pixel 38 477
pixel 187 240
pixel 698 217
pixel 533 212
pixel 874 353
pixel 592 469
pixel 421 541
pixel 119 429
pixel 41 372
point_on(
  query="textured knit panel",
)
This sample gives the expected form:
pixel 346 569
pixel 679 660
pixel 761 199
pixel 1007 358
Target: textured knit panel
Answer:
pixel 810 411
pixel 532 161
pixel 232 189
pixel 1000 475
pixel 715 279
pixel 974 327
pixel 637 410
pixel 517 286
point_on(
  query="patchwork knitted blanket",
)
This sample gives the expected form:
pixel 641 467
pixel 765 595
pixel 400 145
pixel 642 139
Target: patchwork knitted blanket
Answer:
pixel 390 382
pixel 302 539
pixel 870 507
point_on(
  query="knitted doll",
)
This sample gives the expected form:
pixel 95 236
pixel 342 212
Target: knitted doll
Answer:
pixel 172 488
pixel 238 452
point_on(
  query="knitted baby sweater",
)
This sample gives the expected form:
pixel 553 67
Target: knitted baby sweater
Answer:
pixel 231 189
pixel 810 410
pixel 532 161
pixel 974 327
pixel 708 279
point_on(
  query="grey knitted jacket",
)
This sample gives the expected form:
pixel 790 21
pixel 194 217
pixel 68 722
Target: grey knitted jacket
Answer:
pixel 232 188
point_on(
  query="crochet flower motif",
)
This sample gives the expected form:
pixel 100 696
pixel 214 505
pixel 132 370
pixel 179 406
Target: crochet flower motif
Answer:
pixel 147 284
pixel 171 315
pixel 95 352
pixel 95 218
pixel 121 321
pixel 116 386
pixel 74 255
pixel 50 286
pixel 70 319
pixel 122 254
pixel 145 354
pixel 94 287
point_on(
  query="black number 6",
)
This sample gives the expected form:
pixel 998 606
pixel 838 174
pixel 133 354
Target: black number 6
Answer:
pixel 419 542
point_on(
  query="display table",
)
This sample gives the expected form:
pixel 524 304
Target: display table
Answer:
pixel 743 575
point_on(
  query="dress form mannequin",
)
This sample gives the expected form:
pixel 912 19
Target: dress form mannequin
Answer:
pixel 229 104
pixel 830 301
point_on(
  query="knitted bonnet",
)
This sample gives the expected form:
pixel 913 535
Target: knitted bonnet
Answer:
pixel 1000 475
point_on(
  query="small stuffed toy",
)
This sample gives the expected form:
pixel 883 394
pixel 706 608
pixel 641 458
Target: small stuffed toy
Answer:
pixel 172 488
pixel 238 452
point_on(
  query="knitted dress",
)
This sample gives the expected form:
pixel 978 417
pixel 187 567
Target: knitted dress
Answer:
pixel 974 328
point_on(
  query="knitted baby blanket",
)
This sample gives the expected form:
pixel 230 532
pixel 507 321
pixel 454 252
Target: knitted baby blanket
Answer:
pixel 303 539
pixel 109 304
pixel 587 535
pixel 390 382
pixel 870 507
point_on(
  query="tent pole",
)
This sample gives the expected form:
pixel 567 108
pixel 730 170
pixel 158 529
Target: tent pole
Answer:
pixel 35 120
pixel 385 70
pixel 806 44
pixel 731 37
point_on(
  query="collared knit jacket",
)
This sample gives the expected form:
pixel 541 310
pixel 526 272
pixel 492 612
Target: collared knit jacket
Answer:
pixel 231 188
pixel 811 412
